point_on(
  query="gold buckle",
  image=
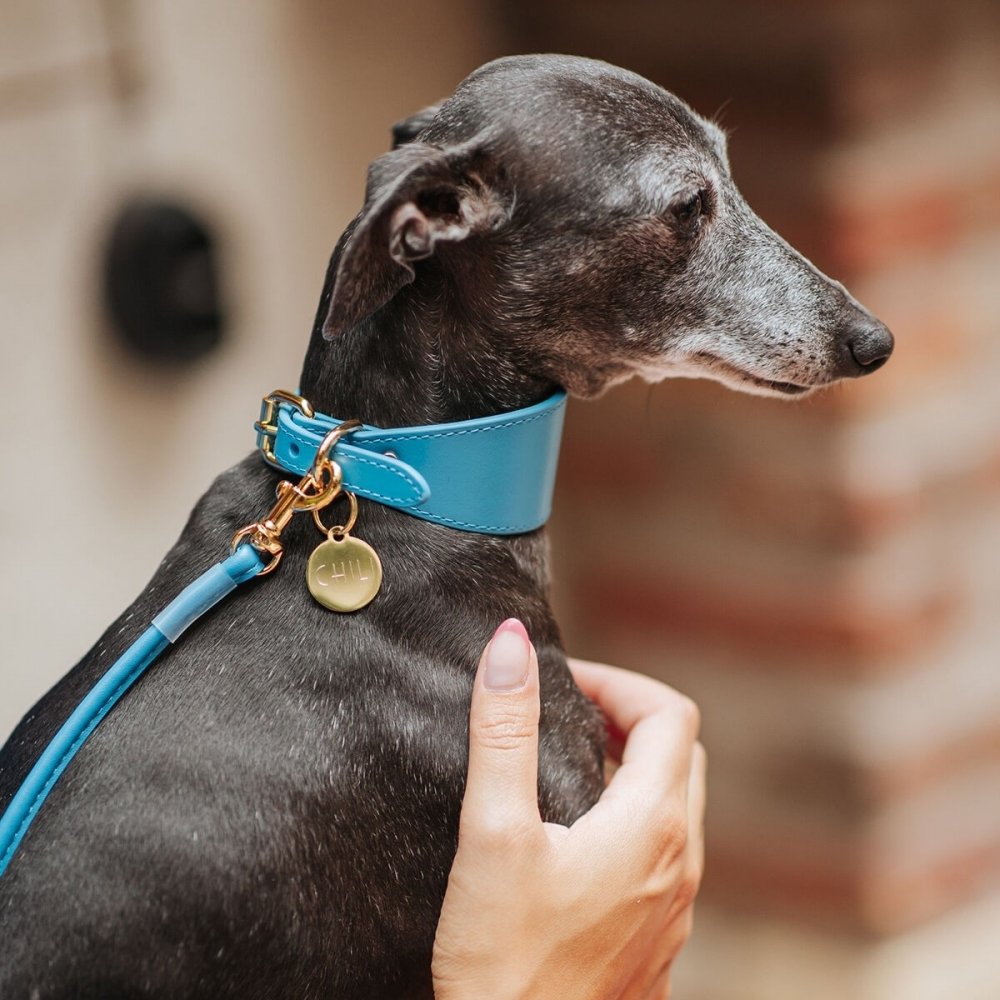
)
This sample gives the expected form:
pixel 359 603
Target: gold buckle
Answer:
pixel 267 426
pixel 318 487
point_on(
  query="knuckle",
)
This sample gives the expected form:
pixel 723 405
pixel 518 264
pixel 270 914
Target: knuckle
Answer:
pixel 668 875
pixel 504 731
pixel 673 890
pixel 494 832
pixel 686 893
pixel 671 837
pixel 689 715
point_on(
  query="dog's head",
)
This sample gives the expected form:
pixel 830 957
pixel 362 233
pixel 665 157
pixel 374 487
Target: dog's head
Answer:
pixel 587 219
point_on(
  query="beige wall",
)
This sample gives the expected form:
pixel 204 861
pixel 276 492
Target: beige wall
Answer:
pixel 265 115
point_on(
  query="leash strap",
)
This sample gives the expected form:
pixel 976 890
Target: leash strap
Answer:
pixel 493 475
pixel 185 609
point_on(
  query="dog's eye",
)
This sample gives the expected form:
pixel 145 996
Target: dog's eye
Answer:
pixel 690 210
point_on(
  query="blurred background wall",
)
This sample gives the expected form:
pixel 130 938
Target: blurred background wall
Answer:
pixel 823 577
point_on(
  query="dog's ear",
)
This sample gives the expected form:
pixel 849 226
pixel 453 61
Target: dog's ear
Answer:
pixel 409 128
pixel 417 197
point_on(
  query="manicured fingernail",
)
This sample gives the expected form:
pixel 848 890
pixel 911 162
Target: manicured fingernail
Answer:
pixel 507 657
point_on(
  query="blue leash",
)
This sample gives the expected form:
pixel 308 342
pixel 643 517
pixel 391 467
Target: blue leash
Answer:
pixel 317 488
pixel 186 608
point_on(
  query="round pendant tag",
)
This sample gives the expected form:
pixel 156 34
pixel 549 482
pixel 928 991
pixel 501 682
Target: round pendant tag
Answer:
pixel 344 574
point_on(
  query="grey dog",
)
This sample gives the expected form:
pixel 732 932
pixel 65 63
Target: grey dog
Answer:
pixel 272 810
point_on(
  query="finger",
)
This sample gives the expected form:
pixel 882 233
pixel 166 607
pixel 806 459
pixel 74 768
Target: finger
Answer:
pixel 626 697
pixel 660 724
pixel 589 678
pixel 501 792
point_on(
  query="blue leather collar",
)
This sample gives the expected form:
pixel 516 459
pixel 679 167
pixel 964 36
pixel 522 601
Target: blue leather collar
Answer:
pixel 494 475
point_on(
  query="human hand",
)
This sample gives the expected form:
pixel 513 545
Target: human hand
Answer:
pixel 595 911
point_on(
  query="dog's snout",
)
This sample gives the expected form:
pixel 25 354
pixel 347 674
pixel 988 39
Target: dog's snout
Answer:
pixel 867 345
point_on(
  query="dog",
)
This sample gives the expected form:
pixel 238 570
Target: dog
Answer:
pixel 272 811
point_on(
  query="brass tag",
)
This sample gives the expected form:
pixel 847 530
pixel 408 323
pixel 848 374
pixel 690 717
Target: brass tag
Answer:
pixel 344 573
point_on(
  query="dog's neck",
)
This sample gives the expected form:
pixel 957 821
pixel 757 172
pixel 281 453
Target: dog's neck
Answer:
pixel 425 357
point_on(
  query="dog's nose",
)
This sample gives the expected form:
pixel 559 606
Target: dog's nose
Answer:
pixel 869 345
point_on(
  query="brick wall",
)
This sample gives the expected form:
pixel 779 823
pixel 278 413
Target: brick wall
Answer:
pixel 823 577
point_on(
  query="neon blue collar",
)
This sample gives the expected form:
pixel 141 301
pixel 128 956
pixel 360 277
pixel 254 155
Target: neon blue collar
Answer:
pixel 493 475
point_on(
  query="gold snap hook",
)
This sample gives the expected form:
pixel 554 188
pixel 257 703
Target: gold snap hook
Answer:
pixel 313 492
pixel 317 488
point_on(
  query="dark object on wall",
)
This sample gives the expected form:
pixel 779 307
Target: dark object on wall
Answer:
pixel 161 285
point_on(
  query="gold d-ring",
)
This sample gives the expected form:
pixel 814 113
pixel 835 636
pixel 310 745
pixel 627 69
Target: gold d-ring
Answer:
pixel 340 529
pixel 329 443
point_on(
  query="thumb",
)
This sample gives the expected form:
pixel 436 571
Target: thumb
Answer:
pixel 501 792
